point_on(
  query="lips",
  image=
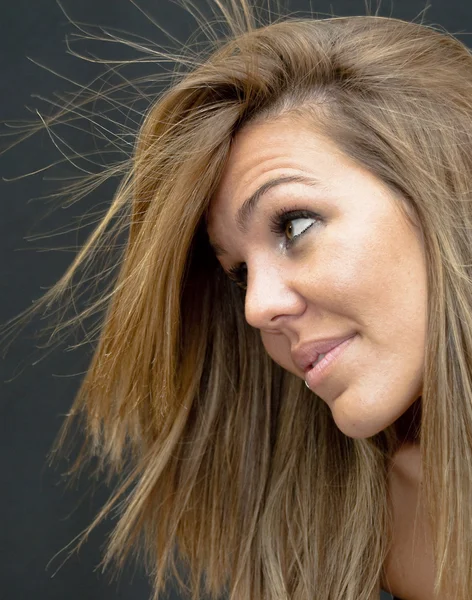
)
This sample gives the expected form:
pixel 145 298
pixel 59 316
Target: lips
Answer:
pixel 306 354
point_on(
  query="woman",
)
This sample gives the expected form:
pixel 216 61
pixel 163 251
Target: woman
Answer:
pixel 303 191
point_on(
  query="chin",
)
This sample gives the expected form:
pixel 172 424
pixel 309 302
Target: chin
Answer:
pixel 359 431
pixel 357 423
pixel 361 415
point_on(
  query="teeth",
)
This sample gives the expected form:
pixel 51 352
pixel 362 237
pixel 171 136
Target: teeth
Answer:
pixel 320 357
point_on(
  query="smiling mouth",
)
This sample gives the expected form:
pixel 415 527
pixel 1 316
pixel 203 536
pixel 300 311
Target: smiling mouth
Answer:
pixel 324 364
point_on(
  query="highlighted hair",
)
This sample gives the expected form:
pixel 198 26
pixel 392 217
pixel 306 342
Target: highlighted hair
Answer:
pixel 231 465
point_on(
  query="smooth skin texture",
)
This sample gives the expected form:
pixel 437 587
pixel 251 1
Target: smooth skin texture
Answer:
pixel 352 264
pixel 409 565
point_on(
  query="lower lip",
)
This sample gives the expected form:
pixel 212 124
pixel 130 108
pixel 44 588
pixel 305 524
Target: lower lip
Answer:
pixel 317 373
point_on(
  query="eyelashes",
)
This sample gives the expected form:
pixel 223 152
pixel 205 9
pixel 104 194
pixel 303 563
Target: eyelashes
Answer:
pixel 283 219
pixel 238 275
pixel 282 223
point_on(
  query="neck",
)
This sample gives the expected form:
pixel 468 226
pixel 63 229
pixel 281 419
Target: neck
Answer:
pixel 408 425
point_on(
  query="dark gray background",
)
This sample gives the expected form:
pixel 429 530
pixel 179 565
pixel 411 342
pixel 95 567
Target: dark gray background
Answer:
pixel 39 517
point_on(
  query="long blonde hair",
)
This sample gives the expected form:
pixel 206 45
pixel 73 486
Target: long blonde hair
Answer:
pixel 232 466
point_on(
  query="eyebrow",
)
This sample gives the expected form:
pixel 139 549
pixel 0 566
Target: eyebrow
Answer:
pixel 249 205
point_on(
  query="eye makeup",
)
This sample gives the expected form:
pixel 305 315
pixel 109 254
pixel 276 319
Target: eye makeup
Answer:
pixel 282 218
pixel 282 224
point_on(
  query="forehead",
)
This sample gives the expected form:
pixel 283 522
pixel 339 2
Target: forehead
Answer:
pixel 289 146
pixel 263 151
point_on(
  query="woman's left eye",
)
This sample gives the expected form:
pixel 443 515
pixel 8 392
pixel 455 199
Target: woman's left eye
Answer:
pixel 292 223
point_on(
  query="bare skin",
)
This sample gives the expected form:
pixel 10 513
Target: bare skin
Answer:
pixel 409 565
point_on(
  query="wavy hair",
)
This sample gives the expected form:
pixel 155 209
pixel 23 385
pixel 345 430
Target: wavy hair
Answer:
pixel 229 463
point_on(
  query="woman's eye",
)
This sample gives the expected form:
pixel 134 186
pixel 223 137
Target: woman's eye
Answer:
pixel 238 274
pixel 295 227
pixel 292 223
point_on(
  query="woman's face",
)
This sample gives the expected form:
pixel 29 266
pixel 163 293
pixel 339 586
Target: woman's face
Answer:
pixel 328 257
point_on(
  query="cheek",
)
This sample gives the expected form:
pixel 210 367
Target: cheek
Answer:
pixel 369 278
pixel 365 271
pixel 335 280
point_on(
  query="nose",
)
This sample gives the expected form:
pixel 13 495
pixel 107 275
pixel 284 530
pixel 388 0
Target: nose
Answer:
pixel 271 297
